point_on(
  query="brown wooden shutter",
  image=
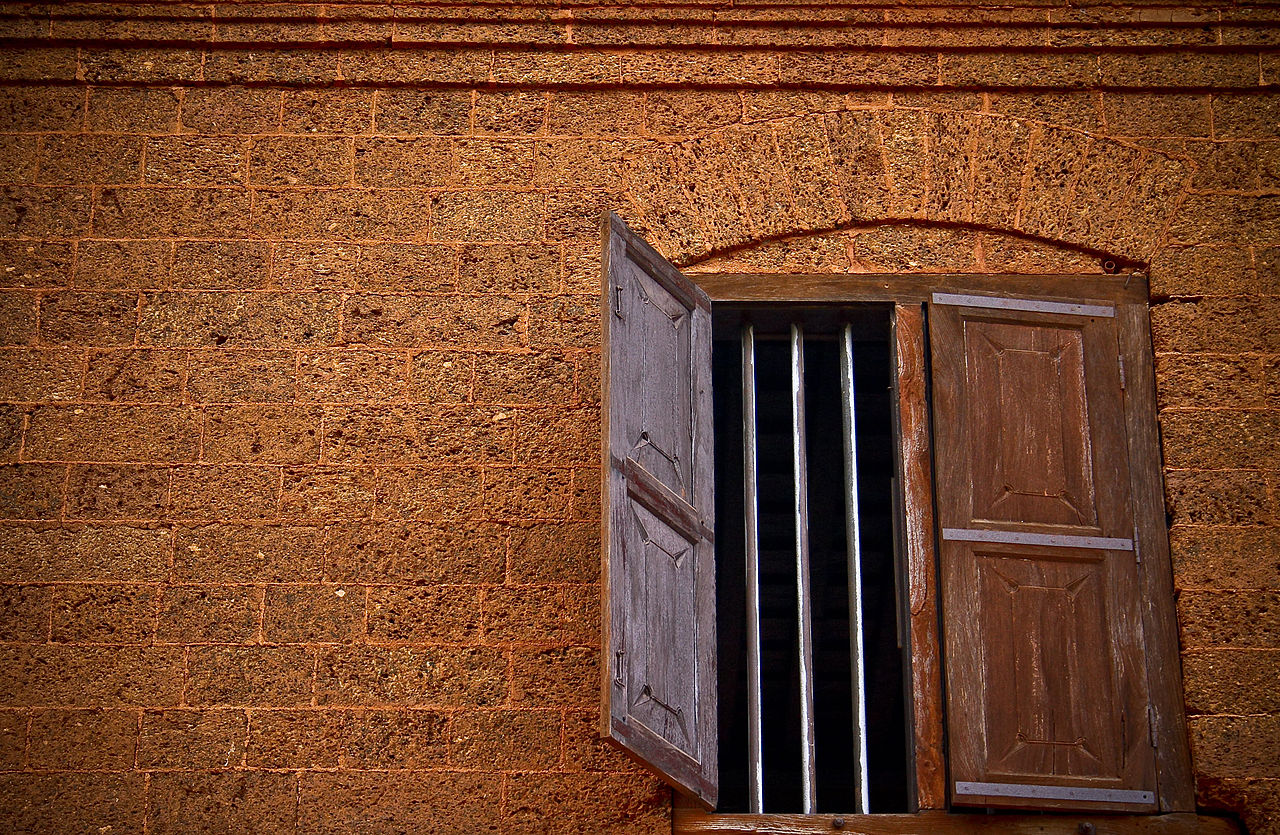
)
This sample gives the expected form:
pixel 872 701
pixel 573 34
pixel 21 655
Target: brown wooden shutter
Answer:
pixel 659 574
pixel 1047 694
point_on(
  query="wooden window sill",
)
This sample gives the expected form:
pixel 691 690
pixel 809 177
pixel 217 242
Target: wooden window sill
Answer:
pixel 693 821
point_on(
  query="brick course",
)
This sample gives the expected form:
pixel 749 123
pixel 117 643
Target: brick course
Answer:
pixel 299 369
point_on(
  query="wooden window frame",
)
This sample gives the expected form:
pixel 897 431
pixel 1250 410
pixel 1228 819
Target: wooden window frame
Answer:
pixel 656 492
pixel 908 295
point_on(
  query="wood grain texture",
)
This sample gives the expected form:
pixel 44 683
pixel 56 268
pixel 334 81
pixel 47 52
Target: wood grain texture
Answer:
pixel 915 477
pixel 659 662
pixel 1046 677
pixel 1159 620
pixel 692 821
pixel 858 287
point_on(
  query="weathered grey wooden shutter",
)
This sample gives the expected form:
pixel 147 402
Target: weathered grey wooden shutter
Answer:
pixel 659 614
pixel 1047 693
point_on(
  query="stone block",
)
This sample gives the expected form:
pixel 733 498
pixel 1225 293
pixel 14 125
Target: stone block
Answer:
pixel 171 212
pixel 133 110
pixel 234 376
pixel 88 319
pixel 408 268
pixel 492 163
pixel 1235 746
pixel 313 67
pixel 566 676
pixel 24 614
pixel 546 615
pixel 296 738
pixel 1240 619
pixel 575 163
pixel 262 434
pixel 430 321
pixel 217 802
pixel 208 614
pixel 430 493
pixel 122 491
pixel 230 110
pixel 73 802
pixel 220 265
pixel 528 493
pixel 510 739
pixel 197 161
pixel 300 161
pixel 37 212
pixel 1191 69
pixel 18 318
pixel 135 376
pixel 140 65
pixel 192 739
pixel 47 553
pixel 345 213
pixel 31 491
pixel 42 108
pixel 1232 681
pixel 231 553
pixel 399 435
pixel 422 112
pixel 327 111
pixel 225 493
pixel 1224 558
pixel 411 676
pixel 396 739
pixel 83 740
pixel 249 676
pixel 487 216
pixel 28 374
pixel 555 552
pixel 103 614
pixel 1222 497
pixel 351 376
pixel 328 493
pixel 317 265
pixel 595 113
pixel 34 264
pixel 564 322
pixel 13 739
pixel 87 676
pixel 439 802
pixel 441 377
pixel 239 320
pixel 1202 271
pixel 545 437
pixel 424 614
pixel 586 750
pixel 608 804
pixel 416 552
pixel 313 614
pixel 90 159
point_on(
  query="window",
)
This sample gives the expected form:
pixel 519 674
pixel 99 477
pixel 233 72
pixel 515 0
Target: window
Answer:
pixel 1044 584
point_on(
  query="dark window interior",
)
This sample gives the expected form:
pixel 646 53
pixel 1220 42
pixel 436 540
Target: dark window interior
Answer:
pixel 888 756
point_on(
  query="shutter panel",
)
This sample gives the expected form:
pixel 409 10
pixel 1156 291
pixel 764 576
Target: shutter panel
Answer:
pixel 1047 695
pixel 659 669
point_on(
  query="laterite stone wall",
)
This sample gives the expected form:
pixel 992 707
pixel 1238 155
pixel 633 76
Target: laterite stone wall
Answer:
pixel 299 360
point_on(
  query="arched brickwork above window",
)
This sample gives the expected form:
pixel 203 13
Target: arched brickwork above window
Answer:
pixel 903 247
pixel 827 171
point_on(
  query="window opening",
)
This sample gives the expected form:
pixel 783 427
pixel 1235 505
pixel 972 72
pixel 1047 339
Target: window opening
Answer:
pixel 768 770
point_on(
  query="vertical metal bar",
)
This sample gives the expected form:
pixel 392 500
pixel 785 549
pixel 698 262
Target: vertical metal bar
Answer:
pixel 853 535
pixel 751 502
pixel 808 775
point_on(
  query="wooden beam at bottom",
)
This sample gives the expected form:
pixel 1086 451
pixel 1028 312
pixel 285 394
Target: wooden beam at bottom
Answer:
pixel 689 821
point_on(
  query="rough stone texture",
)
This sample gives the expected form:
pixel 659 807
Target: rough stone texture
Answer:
pixel 299 381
